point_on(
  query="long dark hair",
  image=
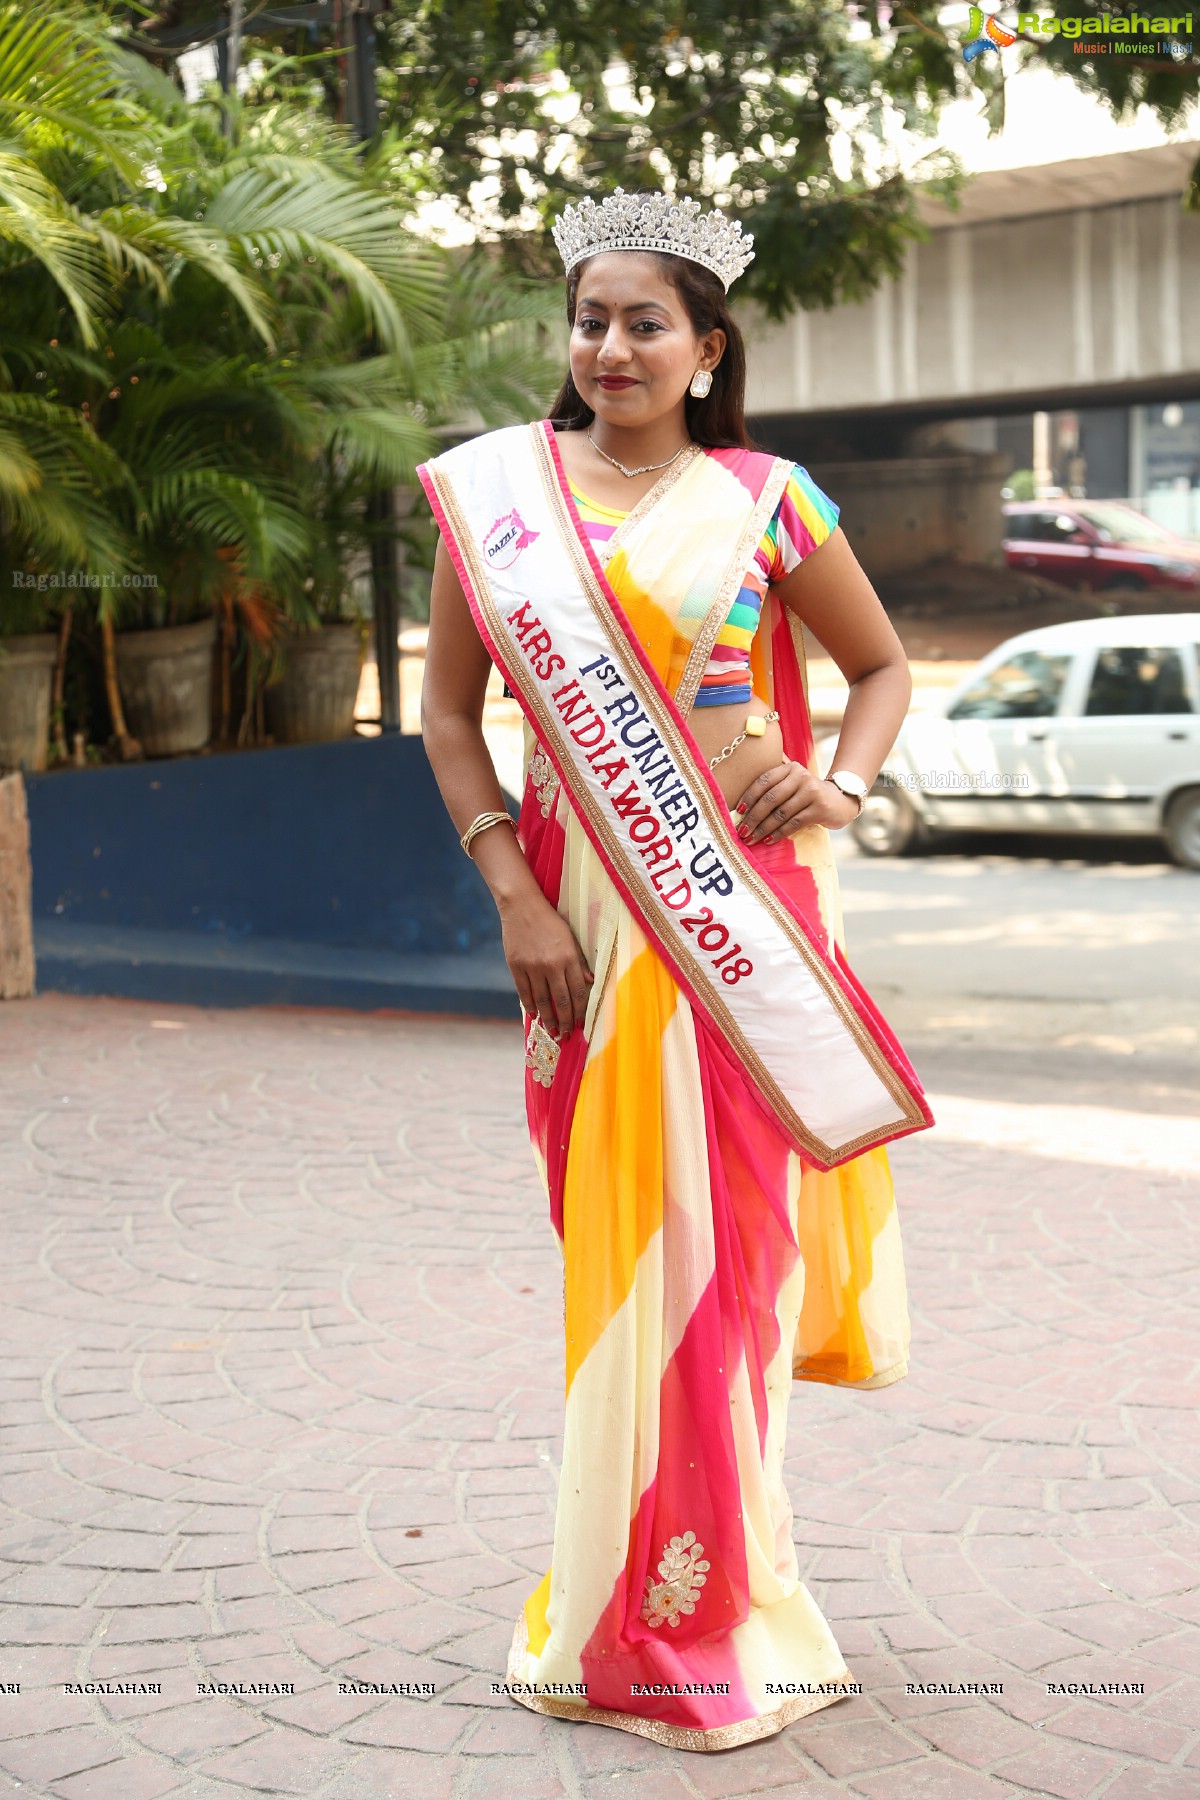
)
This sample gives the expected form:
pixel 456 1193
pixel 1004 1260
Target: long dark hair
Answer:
pixel 719 420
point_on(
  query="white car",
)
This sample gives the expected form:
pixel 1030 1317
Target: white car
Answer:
pixel 1092 726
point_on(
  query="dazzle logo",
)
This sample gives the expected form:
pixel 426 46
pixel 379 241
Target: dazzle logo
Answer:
pixel 983 33
pixel 506 540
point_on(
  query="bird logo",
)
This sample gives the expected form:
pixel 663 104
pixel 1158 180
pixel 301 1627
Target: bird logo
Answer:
pixel 983 33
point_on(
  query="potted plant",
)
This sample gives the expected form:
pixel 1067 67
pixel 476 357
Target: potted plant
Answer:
pixel 28 652
pixel 314 680
pixel 165 678
pixel 218 337
pixel 312 700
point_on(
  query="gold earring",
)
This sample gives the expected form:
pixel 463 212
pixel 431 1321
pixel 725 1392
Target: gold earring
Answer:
pixel 701 384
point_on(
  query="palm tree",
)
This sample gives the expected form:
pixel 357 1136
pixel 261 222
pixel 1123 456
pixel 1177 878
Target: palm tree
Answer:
pixel 214 344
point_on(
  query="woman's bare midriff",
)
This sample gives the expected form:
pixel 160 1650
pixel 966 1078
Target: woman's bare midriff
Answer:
pixel 715 726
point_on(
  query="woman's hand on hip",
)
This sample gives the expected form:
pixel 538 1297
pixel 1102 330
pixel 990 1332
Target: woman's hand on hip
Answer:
pixel 547 966
pixel 786 799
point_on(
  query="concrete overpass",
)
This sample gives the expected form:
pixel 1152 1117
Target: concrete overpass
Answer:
pixel 1069 286
pixel 1049 286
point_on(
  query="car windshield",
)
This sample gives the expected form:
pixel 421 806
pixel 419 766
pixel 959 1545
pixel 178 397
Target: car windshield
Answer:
pixel 1122 525
pixel 1024 686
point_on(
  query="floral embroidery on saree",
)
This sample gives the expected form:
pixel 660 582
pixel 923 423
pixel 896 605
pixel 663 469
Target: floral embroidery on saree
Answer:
pixel 683 1575
pixel 541 1053
pixel 544 779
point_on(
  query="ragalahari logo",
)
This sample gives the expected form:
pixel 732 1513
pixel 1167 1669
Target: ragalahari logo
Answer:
pixel 1109 33
pixel 506 540
pixel 983 33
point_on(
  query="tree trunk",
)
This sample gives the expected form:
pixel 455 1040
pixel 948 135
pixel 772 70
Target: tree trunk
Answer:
pixel 16 893
pixel 58 725
pixel 227 641
pixel 128 747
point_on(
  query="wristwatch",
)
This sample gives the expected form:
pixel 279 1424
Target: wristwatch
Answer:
pixel 853 786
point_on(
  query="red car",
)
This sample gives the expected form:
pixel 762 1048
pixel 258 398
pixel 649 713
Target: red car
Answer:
pixel 1097 544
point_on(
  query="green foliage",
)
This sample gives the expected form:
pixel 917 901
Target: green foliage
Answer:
pixel 218 336
pixel 786 111
pixel 1125 82
pixel 783 112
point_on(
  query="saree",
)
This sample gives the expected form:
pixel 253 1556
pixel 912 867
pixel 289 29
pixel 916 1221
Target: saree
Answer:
pixel 708 1260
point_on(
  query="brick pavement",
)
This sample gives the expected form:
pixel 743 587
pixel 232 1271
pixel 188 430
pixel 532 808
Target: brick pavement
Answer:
pixel 281 1387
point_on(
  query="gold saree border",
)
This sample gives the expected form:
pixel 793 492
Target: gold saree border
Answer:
pixel 674 1737
pixel 718 821
pixel 600 989
pixel 730 585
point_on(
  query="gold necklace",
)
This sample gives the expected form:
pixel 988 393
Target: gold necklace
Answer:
pixel 646 468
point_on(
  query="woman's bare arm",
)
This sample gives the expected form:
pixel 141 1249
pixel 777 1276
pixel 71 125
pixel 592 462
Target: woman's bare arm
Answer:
pixel 830 592
pixel 546 963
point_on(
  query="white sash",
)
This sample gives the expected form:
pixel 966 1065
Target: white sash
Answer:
pixel 827 1067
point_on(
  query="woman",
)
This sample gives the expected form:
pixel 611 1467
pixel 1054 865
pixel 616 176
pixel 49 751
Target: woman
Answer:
pixel 709 1090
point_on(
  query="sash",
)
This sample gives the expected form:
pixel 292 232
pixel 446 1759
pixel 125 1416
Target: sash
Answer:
pixel 810 1041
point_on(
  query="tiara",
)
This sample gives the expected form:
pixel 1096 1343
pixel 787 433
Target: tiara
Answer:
pixel 654 222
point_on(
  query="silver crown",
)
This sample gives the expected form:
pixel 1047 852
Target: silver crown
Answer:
pixel 654 222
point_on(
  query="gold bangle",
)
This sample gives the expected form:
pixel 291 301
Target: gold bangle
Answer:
pixel 483 822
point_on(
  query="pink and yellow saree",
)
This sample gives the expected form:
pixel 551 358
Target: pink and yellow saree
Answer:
pixel 709 1256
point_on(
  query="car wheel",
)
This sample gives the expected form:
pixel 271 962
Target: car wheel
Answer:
pixel 888 824
pixel 1182 829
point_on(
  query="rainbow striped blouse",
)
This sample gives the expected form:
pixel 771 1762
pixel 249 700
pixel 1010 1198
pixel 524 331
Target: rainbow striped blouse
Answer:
pixel 801 522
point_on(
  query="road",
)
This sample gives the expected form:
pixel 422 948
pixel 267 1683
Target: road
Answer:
pixel 1043 971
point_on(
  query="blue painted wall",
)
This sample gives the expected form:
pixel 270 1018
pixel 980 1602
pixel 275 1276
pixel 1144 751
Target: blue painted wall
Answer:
pixel 342 845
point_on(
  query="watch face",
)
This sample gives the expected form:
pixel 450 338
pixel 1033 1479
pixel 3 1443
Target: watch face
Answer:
pixel 849 784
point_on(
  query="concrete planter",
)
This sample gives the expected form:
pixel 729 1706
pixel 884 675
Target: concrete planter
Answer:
pixel 26 676
pixel 166 683
pixel 16 914
pixel 313 702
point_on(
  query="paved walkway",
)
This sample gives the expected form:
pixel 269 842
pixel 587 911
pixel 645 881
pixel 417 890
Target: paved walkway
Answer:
pixel 281 1392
